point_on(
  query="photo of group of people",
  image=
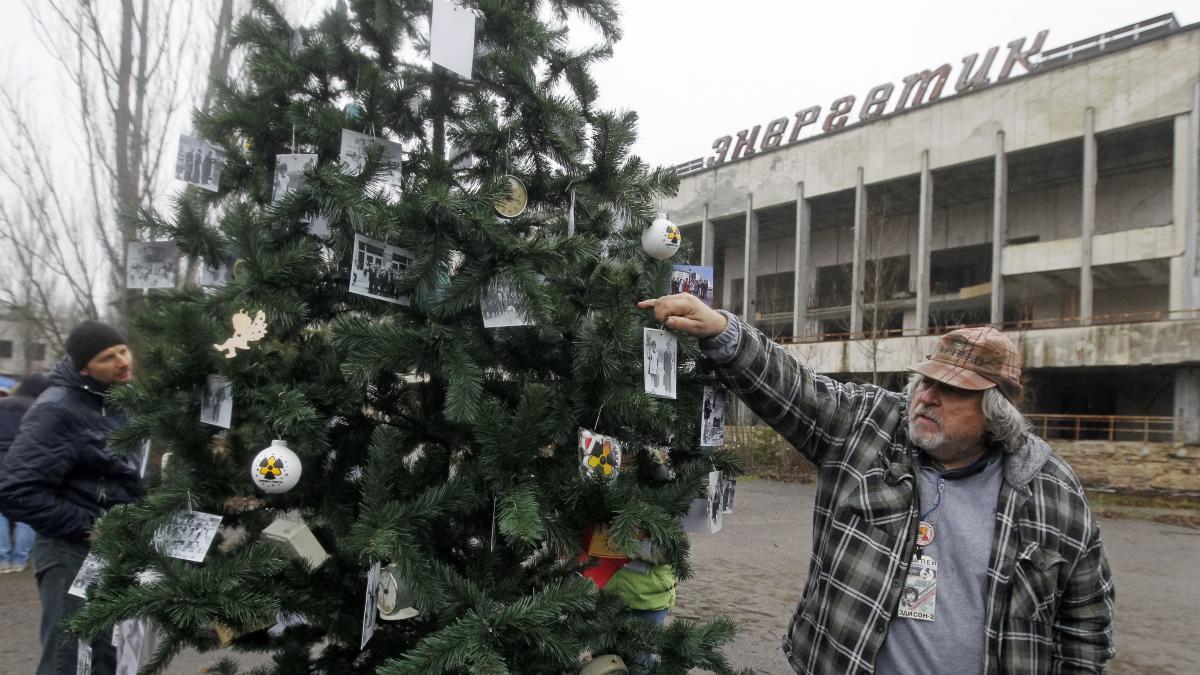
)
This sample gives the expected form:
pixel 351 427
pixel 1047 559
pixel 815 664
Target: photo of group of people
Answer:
pixel 215 274
pixel 289 173
pixel 500 304
pixel 658 353
pixel 705 514
pixel 151 264
pixel 694 279
pixel 377 270
pixel 188 536
pixel 712 419
pixel 199 163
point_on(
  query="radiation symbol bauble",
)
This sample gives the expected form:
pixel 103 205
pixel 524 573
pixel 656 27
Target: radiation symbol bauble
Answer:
pixel 661 240
pixel 276 469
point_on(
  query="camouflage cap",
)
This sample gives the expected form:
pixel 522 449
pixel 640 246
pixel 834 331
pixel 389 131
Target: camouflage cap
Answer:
pixel 975 359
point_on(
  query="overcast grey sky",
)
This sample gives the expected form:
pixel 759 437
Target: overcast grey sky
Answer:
pixel 698 69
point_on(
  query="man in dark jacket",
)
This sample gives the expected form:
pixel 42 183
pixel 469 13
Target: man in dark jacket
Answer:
pixel 59 476
pixel 16 539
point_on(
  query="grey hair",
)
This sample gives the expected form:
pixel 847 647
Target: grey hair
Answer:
pixel 1002 422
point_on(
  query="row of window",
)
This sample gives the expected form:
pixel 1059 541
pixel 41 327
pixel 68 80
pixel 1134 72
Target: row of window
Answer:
pixel 34 351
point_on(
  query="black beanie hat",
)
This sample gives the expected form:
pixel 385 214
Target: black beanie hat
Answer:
pixel 89 339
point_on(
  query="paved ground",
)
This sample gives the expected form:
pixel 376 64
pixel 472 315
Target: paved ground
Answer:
pixel 753 570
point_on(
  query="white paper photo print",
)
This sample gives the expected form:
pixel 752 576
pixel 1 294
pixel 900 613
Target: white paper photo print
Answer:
pixel 500 306
pixel 289 173
pixel 704 516
pixel 369 604
pixel 712 418
pixel 377 270
pixel 188 536
pixel 658 362
pixel 151 264
pixel 452 37
pixel 353 155
pixel 216 402
pixel 199 162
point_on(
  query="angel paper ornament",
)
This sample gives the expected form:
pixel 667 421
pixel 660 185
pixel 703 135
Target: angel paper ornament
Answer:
pixel 245 331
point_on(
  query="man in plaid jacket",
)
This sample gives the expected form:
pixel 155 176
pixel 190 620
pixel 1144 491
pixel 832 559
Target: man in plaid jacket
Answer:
pixel 947 538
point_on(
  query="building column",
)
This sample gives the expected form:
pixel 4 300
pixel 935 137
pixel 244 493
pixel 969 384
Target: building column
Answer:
pixel 1185 269
pixel 858 270
pixel 708 243
pixel 1088 217
pixel 750 264
pixel 999 228
pixel 924 243
pixel 1187 404
pixel 800 291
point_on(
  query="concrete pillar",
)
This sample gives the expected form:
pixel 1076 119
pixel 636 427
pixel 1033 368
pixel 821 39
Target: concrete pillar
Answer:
pixel 800 291
pixel 858 271
pixel 1088 219
pixel 708 242
pixel 999 228
pixel 1187 404
pixel 1185 269
pixel 924 243
pixel 750 264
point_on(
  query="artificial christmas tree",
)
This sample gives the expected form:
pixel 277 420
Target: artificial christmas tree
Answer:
pixel 439 456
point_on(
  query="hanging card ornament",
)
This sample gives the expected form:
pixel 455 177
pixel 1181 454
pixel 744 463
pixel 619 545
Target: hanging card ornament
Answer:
pixel 216 402
pixel 245 331
pixel 297 540
pixel 369 605
pixel 377 270
pixel 276 469
pixel 452 37
pixel 289 173
pixel 599 455
pixel 151 264
pixel 659 349
pixel 88 574
pixel 712 418
pixel 188 536
pixel 198 162
pixel 661 240
pixel 395 599
pixel 704 516
pixel 514 203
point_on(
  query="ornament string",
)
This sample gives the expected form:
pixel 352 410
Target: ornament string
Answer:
pixel 492 545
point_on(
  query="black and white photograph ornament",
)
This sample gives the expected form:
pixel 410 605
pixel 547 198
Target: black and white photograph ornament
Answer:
pixel 151 264
pixel 353 156
pixel 213 275
pixel 377 270
pixel 728 488
pixel 370 604
pixel 500 306
pixel 276 469
pixel 658 362
pixel 662 239
pixel 188 536
pixel 198 162
pixel 216 401
pixel 704 516
pixel 289 173
pixel 712 418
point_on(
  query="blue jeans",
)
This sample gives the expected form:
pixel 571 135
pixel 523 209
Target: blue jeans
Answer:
pixel 56 562
pixel 16 540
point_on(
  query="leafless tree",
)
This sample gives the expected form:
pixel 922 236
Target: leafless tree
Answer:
pixel 131 69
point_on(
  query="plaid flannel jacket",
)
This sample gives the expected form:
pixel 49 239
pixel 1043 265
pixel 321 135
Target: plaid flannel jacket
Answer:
pixel 1049 597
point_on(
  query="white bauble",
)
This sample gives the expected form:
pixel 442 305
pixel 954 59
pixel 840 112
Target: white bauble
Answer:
pixel 661 240
pixel 276 469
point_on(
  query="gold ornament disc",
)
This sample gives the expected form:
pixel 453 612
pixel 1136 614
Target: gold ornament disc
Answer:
pixel 513 205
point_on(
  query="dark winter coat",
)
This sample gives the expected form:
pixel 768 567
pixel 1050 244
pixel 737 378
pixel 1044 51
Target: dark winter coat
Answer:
pixel 59 474
pixel 13 408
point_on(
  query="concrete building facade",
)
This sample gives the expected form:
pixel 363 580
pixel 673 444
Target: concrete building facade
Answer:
pixel 1060 204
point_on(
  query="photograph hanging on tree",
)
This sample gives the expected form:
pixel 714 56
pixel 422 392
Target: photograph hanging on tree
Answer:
pixel 151 264
pixel 188 536
pixel 353 156
pixel 216 401
pixel 289 173
pixel 198 162
pixel 599 455
pixel 452 37
pixel 694 279
pixel 128 638
pixel 658 362
pixel 728 487
pixel 370 603
pixel 88 574
pixel 377 270
pixel 214 275
pixel 704 516
pixel 712 418
pixel 500 306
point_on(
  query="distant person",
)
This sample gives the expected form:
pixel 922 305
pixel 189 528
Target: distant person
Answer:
pixel 16 538
pixel 60 477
